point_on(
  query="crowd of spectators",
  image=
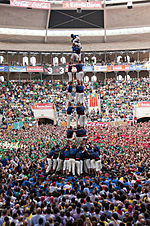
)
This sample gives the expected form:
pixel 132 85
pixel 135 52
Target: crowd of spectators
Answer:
pixel 117 98
pixel 118 195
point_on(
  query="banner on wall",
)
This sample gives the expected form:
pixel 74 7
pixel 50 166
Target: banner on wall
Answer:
pixel 42 106
pixel 30 4
pixel 17 69
pixel 81 4
pixel 136 67
pixel 35 69
pixel 100 68
pixel 121 67
pixel 44 110
pixel 3 68
pixel 96 124
pixel 142 109
pixel 88 68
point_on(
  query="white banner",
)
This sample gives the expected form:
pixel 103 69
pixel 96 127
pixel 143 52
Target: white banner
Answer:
pixel 30 4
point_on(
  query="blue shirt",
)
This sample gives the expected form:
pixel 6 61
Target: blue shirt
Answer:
pixel 35 219
pixel 70 89
pixel 81 89
pixel 79 67
pixel 66 154
pixel 69 110
pixel 76 50
pixel 69 133
pixel 73 152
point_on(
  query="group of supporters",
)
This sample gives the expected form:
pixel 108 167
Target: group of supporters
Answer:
pixel 117 98
pixel 118 195
pixel 72 159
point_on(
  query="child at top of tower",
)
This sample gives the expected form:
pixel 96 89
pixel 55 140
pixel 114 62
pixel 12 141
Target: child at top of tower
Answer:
pixel 76 40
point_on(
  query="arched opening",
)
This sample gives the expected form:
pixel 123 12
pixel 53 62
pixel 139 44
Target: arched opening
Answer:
pixel 145 119
pixel 45 121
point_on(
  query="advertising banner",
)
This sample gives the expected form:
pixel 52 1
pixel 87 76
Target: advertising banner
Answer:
pixel 3 68
pixel 42 106
pixel 137 67
pixel 88 68
pixel 142 109
pixel 143 104
pixel 100 68
pixel 96 124
pixel 81 4
pixel 121 67
pixel 34 69
pixel 109 68
pixel 45 111
pixel 30 4
pixel 17 69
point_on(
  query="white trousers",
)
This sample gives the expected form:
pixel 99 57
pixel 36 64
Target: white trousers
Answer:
pixel 66 165
pixel 59 165
pixel 82 120
pixel 77 163
pixel 49 165
pixel 68 121
pixel 93 166
pixel 98 165
pixel 87 165
pixel 81 166
pixel 81 95
pixel 77 97
pixel 76 56
pixel 81 76
pixel 54 164
pixel 70 96
pixel 77 120
pixel 70 76
pixel 77 76
pixel 72 166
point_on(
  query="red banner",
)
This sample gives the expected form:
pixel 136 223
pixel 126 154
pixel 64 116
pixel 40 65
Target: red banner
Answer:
pixel 96 124
pixel 41 106
pixel 120 67
pixel 34 69
pixel 143 104
pixel 83 5
pixel 30 4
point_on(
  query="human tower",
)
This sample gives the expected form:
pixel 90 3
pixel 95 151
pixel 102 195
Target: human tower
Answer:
pixel 75 91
